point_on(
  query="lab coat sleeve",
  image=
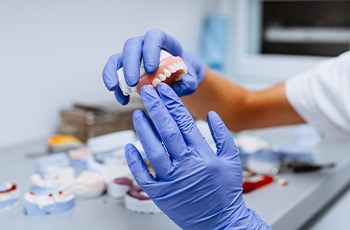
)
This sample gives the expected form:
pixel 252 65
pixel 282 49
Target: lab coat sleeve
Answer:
pixel 322 96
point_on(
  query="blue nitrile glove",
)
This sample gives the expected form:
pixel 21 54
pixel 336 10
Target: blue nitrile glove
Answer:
pixel 148 47
pixel 195 187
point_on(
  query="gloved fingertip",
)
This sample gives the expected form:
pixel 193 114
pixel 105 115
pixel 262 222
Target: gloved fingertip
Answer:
pixel 110 79
pixel 164 88
pixel 213 117
pixel 132 81
pixel 151 67
pixel 137 115
pixel 147 90
pixel 177 89
pixel 123 100
pixel 129 147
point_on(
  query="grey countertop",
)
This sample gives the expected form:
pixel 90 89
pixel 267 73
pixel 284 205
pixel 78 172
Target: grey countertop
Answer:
pixel 285 208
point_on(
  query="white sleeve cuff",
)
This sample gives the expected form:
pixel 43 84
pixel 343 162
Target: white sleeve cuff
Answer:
pixel 300 94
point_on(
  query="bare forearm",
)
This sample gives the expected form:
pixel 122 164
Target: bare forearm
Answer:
pixel 240 108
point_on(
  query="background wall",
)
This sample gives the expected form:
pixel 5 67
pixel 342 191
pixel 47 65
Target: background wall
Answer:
pixel 52 53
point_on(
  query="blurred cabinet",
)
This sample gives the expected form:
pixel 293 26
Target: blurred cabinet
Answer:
pixel 276 39
pixel 320 28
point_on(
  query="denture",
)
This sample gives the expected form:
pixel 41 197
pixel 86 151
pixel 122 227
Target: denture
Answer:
pixel 8 196
pixel 118 187
pixel 88 185
pixel 55 179
pixel 45 204
pixel 170 70
pixel 135 199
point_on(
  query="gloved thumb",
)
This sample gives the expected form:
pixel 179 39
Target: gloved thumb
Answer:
pixel 222 137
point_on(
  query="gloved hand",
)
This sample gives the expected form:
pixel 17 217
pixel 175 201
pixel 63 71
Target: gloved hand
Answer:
pixel 195 187
pixel 148 47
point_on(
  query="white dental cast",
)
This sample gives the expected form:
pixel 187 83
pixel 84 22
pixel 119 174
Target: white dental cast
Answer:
pixel 44 200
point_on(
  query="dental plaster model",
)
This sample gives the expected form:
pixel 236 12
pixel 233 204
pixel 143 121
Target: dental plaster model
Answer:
pixel 54 160
pixel 78 159
pixel 88 184
pixel 55 179
pixel 170 70
pixel 110 167
pixel 46 204
pixel 8 196
pixel 137 200
pixel 118 187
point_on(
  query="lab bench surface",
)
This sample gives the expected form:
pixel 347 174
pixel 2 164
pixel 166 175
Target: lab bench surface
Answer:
pixel 287 207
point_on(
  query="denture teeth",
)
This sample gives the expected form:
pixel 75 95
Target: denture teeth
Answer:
pixel 183 65
pixel 167 73
pixel 172 68
pixel 162 77
pixel 155 82
pixel 177 66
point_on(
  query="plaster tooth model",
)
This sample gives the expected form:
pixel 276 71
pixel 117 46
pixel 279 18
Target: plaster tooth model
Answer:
pixel 54 160
pixel 78 159
pixel 88 185
pixel 46 204
pixel 137 200
pixel 55 179
pixel 110 167
pixel 118 187
pixel 8 196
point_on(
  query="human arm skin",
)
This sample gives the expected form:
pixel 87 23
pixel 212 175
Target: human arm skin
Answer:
pixel 240 108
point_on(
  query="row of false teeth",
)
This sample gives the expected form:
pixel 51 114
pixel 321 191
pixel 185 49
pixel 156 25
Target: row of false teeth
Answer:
pixel 168 71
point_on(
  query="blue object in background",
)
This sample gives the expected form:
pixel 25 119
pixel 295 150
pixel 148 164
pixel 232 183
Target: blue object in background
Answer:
pixel 57 160
pixel 214 44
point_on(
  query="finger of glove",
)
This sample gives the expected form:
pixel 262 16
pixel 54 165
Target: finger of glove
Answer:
pixel 121 97
pixel 222 137
pixel 182 117
pixel 165 125
pixel 152 145
pixel 138 167
pixel 132 54
pixel 109 74
pixel 186 86
pixel 154 41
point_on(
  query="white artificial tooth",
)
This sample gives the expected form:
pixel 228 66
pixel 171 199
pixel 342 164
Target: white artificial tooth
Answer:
pixel 177 66
pixel 183 66
pixel 155 82
pixel 162 77
pixel 172 68
pixel 167 73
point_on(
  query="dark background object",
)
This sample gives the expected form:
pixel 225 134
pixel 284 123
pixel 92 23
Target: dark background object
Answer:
pixel 86 120
pixel 305 15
